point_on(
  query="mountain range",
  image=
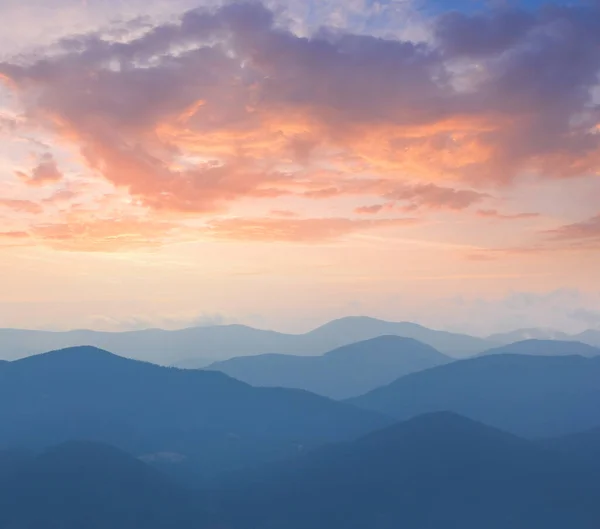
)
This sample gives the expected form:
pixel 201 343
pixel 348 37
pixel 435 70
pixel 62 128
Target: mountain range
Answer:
pixel 531 396
pixel 199 346
pixel 589 337
pixel 434 471
pixel 87 485
pixel 345 372
pixel 538 347
pixel 212 421
pixel 93 440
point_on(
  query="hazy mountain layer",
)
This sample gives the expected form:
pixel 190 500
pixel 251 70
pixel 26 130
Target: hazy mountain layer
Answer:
pixel 342 373
pixel 216 422
pixel 200 346
pixel 526 395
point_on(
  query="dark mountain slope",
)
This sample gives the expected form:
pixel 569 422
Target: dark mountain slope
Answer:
pixel 218 422
pixel 433 472
pixel 545 348
pixel 584 446
pixel 93 486
pixel 345 372
pixel 526 395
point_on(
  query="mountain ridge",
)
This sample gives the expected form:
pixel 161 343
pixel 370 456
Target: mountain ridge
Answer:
pixel 216 421
pixel 530 396
pixel 341 373
pixel 212 343
pixel 539 347
pixel 435 470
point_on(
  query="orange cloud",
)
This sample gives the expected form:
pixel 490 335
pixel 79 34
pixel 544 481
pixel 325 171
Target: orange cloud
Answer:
pixel 21 206
pixel 252 110
pixel 103 235
pixel 297 230
pixel 198 131
pixel 14 235
pixel 371 210
pixel 282 213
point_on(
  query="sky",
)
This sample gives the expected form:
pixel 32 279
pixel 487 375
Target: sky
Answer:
pixel 190 162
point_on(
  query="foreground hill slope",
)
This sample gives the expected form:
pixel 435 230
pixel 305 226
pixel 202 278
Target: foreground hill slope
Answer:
pixel 584 446
pixel 342 373
pixel 526 395
pixel 218 422
pixel 87 485
pixel 433 472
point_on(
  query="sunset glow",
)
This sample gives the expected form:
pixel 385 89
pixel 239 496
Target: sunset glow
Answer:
pixel 285 163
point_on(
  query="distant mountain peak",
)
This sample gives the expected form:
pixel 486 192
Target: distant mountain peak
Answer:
pixel 78 352
pixel 545 347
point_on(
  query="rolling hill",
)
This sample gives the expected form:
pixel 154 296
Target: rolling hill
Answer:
pixel 345 372
pixel 82 484
pixel 210 419
pixel 526 395
pixel 434 471
pixel 584 446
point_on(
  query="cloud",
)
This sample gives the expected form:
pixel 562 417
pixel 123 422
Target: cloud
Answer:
pixel 14 235
pixel 568 310
pixel 21 206
pixel 372 210
pixel 495 214
pixel 304 230
pixel 198 114
pixel 195 114
pixel 102 235
pixel 587 230
pixel 586 316
pixel 45 172
pixel 434 196
pixel 282 213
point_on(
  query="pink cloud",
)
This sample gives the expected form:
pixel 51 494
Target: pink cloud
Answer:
pixel 102 235
pixel 586 231
pixel 495 214
pixel 21 206
pixel 44 173
pixel 389 105
pixel 223 105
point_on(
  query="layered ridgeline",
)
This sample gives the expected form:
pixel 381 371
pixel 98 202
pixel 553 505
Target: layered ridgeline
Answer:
pixel 212 421
pixel 435 471
pixel 87 485
pixel 200 346
pixel 589 337
pixel 538 347
pixel 532 396
pixel 342 373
